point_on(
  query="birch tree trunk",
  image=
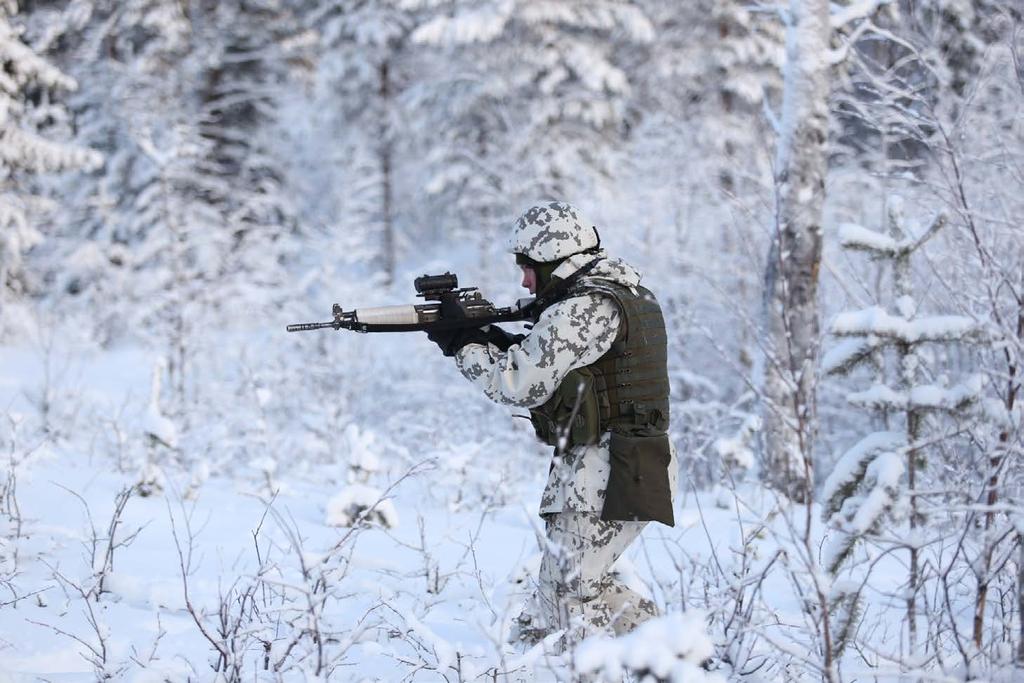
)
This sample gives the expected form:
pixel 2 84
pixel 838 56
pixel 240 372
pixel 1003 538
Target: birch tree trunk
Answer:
pixel 791 282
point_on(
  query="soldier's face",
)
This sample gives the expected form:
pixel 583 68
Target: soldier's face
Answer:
pixel 529 279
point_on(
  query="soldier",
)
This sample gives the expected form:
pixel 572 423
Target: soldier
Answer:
pixel 592 372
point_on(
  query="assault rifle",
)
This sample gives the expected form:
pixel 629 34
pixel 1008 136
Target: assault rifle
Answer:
pixel 450 308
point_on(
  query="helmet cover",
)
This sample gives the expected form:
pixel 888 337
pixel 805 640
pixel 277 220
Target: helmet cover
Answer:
pixel 551 231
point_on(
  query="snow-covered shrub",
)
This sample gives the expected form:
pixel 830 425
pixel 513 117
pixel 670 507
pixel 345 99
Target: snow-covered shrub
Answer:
pixel 160 434
pixel 362 456
pixel 669 648
pixel 359 503
pixel 737 451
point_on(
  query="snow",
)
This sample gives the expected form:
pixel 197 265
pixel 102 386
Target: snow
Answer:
pixel 878 322
pixel 477 26
pixel 863 511
pixel 670 648
pixel 435 588
pixel 920 397
pixel 947 398
pixel 362 456
pixel 850 466
pixel 358 502
pixel 842 357
pixel 161 429
pixel 442 649
pixel 883 478
pixel 853 236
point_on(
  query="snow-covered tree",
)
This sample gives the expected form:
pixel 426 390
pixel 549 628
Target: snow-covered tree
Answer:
pixel 875 483
pixel 820 35
pixel 27 81
pixel 724 62
pixel 977 152
pixel 243 77
pixel 364 74
pixel 163 87
pixel 698 163
pixel 537 104
pixel 359 501
pixel 124 233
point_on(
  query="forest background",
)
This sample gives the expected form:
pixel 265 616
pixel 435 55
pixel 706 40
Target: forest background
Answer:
pixel 826 198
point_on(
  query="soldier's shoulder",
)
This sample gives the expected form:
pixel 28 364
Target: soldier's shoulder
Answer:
pixel 582 308
pixel 585 297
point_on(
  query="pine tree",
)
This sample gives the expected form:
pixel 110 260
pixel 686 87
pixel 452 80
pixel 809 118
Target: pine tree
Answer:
pixel 137 67
pixel 241 80
pixel 724 61
pixel 365 69
pixel 538 105
pixel 876 480
pixel 26 81
pixel 185 107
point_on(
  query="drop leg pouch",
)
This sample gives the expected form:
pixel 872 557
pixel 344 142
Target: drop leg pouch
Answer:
pixel 638 488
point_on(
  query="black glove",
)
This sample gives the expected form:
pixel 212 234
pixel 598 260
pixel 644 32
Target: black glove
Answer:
pixel 450 341
pixel 502 339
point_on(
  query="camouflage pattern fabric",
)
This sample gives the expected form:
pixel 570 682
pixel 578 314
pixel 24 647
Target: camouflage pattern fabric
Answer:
pixel 575 590
pixel 569 334
pixel 549 231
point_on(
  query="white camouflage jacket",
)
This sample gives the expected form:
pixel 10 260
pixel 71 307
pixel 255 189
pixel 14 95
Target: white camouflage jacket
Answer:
pixel 569 334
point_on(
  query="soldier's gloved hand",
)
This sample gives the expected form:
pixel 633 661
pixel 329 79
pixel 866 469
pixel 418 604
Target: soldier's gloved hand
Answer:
pixel 502 339
pixel 450 341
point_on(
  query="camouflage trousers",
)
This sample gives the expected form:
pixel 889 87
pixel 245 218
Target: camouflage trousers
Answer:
pixel 575 589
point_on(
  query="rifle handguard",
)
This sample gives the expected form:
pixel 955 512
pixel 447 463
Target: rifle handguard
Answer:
pixel 389 315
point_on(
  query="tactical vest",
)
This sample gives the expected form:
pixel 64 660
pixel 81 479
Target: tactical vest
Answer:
pixel 625 391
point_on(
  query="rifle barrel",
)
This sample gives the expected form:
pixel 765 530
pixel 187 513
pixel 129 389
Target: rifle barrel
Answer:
pixel 302 327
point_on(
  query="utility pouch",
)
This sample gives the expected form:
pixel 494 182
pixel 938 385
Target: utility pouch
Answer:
pixel 573 408
pixel 638 488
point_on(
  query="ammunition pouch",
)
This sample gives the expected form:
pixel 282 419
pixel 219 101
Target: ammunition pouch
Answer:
pixel 572 412
pixel 638 485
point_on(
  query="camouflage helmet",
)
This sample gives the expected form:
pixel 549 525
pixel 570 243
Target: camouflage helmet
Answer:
pixel 551 231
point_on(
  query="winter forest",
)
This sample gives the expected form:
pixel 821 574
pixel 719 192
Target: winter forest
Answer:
pixel 826 197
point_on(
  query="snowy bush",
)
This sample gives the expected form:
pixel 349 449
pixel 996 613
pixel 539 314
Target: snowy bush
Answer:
pixel 672 648
pixel 359 503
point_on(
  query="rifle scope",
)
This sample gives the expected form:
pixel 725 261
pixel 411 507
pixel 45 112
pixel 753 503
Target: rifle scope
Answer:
pixel 426 284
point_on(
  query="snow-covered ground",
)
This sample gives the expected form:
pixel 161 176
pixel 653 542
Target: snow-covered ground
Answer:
pixel 347 507
pixel 250 538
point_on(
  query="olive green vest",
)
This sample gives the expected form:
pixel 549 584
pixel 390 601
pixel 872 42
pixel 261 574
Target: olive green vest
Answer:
pixel 626 390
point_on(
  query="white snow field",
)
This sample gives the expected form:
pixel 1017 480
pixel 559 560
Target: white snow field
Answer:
pixel 248 505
